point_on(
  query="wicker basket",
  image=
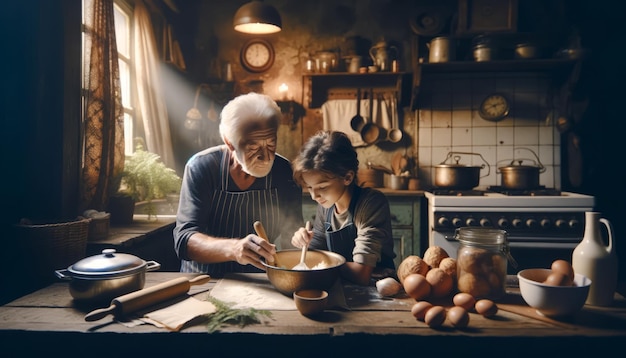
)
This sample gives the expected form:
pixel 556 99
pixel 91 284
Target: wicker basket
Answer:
pixel 99 227
pixel 53 246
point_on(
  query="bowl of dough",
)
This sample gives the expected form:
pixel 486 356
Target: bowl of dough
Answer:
pixel 322 274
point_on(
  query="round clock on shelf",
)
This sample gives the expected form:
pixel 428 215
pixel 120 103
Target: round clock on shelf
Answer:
pixel 495 107
pixel 257 55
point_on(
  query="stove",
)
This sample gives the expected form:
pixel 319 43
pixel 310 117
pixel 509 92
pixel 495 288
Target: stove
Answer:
pixel 542 224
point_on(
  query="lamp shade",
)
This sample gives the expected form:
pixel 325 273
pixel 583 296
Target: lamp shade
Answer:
pixel 257 17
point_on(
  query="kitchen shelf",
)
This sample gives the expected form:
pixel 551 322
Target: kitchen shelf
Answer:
pixel 324 86
pixel 539 65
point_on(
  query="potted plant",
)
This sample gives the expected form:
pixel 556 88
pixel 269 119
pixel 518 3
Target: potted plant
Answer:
pixel 146 178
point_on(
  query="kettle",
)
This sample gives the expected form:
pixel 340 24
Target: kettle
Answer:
pixel 381 54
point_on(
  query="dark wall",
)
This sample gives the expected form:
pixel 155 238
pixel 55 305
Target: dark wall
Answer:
pixel 40 114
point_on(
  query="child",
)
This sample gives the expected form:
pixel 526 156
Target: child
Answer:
pixel 352 221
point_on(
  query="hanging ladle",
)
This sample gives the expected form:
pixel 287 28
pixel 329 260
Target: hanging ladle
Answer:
pixel 357 122
pixel 302 265
pixel 395 133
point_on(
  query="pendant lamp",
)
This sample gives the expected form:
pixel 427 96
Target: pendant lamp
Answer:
pixel 257 17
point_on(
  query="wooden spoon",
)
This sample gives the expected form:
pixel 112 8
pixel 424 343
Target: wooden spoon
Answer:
pixel 302 265
pixel 260 231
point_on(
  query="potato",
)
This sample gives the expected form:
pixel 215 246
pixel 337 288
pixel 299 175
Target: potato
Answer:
pixel 434 255
pixel 412 264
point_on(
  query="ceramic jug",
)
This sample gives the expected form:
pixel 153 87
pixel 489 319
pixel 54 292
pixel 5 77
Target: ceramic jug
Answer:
pixel 381 55
pixel 596 260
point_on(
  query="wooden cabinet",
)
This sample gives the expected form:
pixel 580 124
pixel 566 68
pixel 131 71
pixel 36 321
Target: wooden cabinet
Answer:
pixel 406 221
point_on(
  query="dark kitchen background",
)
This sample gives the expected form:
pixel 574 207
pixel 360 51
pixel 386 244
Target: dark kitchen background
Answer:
pixel 41 90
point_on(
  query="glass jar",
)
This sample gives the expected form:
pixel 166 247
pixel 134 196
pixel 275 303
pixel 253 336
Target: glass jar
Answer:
pixel 482 259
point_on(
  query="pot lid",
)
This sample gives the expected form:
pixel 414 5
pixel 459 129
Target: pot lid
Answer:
pixel 109 264
pixel 517 165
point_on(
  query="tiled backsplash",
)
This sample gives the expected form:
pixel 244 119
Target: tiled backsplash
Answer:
pixel 448 121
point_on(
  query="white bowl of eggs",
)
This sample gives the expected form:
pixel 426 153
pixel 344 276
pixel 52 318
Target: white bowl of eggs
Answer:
pixel 556 291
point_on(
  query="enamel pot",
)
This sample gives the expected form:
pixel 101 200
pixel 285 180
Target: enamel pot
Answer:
pixel 520 174
pixel 100 278
pixel 459 176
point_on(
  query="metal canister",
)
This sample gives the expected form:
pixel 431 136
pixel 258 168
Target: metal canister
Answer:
pixel 482 260
pixel 441 50
pixel 483 52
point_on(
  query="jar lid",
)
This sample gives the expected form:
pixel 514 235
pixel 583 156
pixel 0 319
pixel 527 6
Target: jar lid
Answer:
pixel 481 236
pixel 109 264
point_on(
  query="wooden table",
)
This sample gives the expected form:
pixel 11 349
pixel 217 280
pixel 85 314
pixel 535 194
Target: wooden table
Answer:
pixel 47 322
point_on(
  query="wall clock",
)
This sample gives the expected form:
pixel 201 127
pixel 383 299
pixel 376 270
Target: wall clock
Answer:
pixel 495 107
pixel 257 55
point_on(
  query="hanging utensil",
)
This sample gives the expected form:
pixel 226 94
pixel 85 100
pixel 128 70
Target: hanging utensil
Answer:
pixel 395 133
pixel 357 122
pixel 371 132
pixel 302 265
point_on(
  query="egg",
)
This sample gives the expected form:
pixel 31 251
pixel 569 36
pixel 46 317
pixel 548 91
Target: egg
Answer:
pixel 565 268
pixel 464 300
pixel 440 282
pixel 458 317
pixel 419 309
pixel 388 286
pixel 486 307
pixel 435 316
pixel 416 286
pixel 557 279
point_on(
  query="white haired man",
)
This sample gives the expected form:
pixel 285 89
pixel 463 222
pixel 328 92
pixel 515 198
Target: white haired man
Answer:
pixel 227 188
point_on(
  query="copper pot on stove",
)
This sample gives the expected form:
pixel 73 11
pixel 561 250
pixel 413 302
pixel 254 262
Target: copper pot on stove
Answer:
pixel 459 176
pixel 518 175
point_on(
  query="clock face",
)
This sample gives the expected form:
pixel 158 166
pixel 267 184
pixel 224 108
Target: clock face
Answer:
pixel 257 55
pixel 494 107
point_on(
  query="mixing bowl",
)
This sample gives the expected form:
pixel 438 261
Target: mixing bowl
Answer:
pixel 324 271
pixel 552 301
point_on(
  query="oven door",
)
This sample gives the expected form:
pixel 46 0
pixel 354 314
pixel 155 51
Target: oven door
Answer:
pixel 535 252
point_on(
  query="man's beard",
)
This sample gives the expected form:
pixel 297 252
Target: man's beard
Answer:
pixel 255 171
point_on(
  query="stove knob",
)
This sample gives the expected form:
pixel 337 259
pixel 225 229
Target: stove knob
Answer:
pixel 561 224
pixel 517 223
pixel 531 223
pixel 484 222
pixel 546 223
pixel 574 224
pixel 503 223
pixel 471 222
pixel 443 221
pixel 457 222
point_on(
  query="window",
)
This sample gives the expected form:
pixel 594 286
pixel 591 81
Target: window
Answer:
pixel 123 33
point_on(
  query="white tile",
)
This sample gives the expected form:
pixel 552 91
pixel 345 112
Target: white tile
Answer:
pixel 439 154
pixel 546 154
pixel 526 136
pixel 546 137
pixel 547 178
pixel 484 136
pixel 504 154
pixel 462 136
pixel 442 137
pixel 425 137
pixel 441 119
pixel 425 156
pixel 462 118
pixel 504 135
pixel 425 118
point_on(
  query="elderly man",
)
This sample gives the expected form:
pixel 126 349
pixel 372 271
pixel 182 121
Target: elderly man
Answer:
pixel 227 188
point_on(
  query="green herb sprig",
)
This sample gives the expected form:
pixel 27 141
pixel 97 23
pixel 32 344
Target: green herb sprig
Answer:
pixel 226 314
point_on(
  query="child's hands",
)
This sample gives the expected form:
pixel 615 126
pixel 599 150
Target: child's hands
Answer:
pixel 303 236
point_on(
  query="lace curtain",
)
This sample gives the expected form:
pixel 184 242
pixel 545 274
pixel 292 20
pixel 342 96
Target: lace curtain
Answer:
pixel 151 103
pixel 104 118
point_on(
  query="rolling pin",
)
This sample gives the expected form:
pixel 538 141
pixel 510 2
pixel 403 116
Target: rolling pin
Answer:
pixel 134 301
pixel 260 231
